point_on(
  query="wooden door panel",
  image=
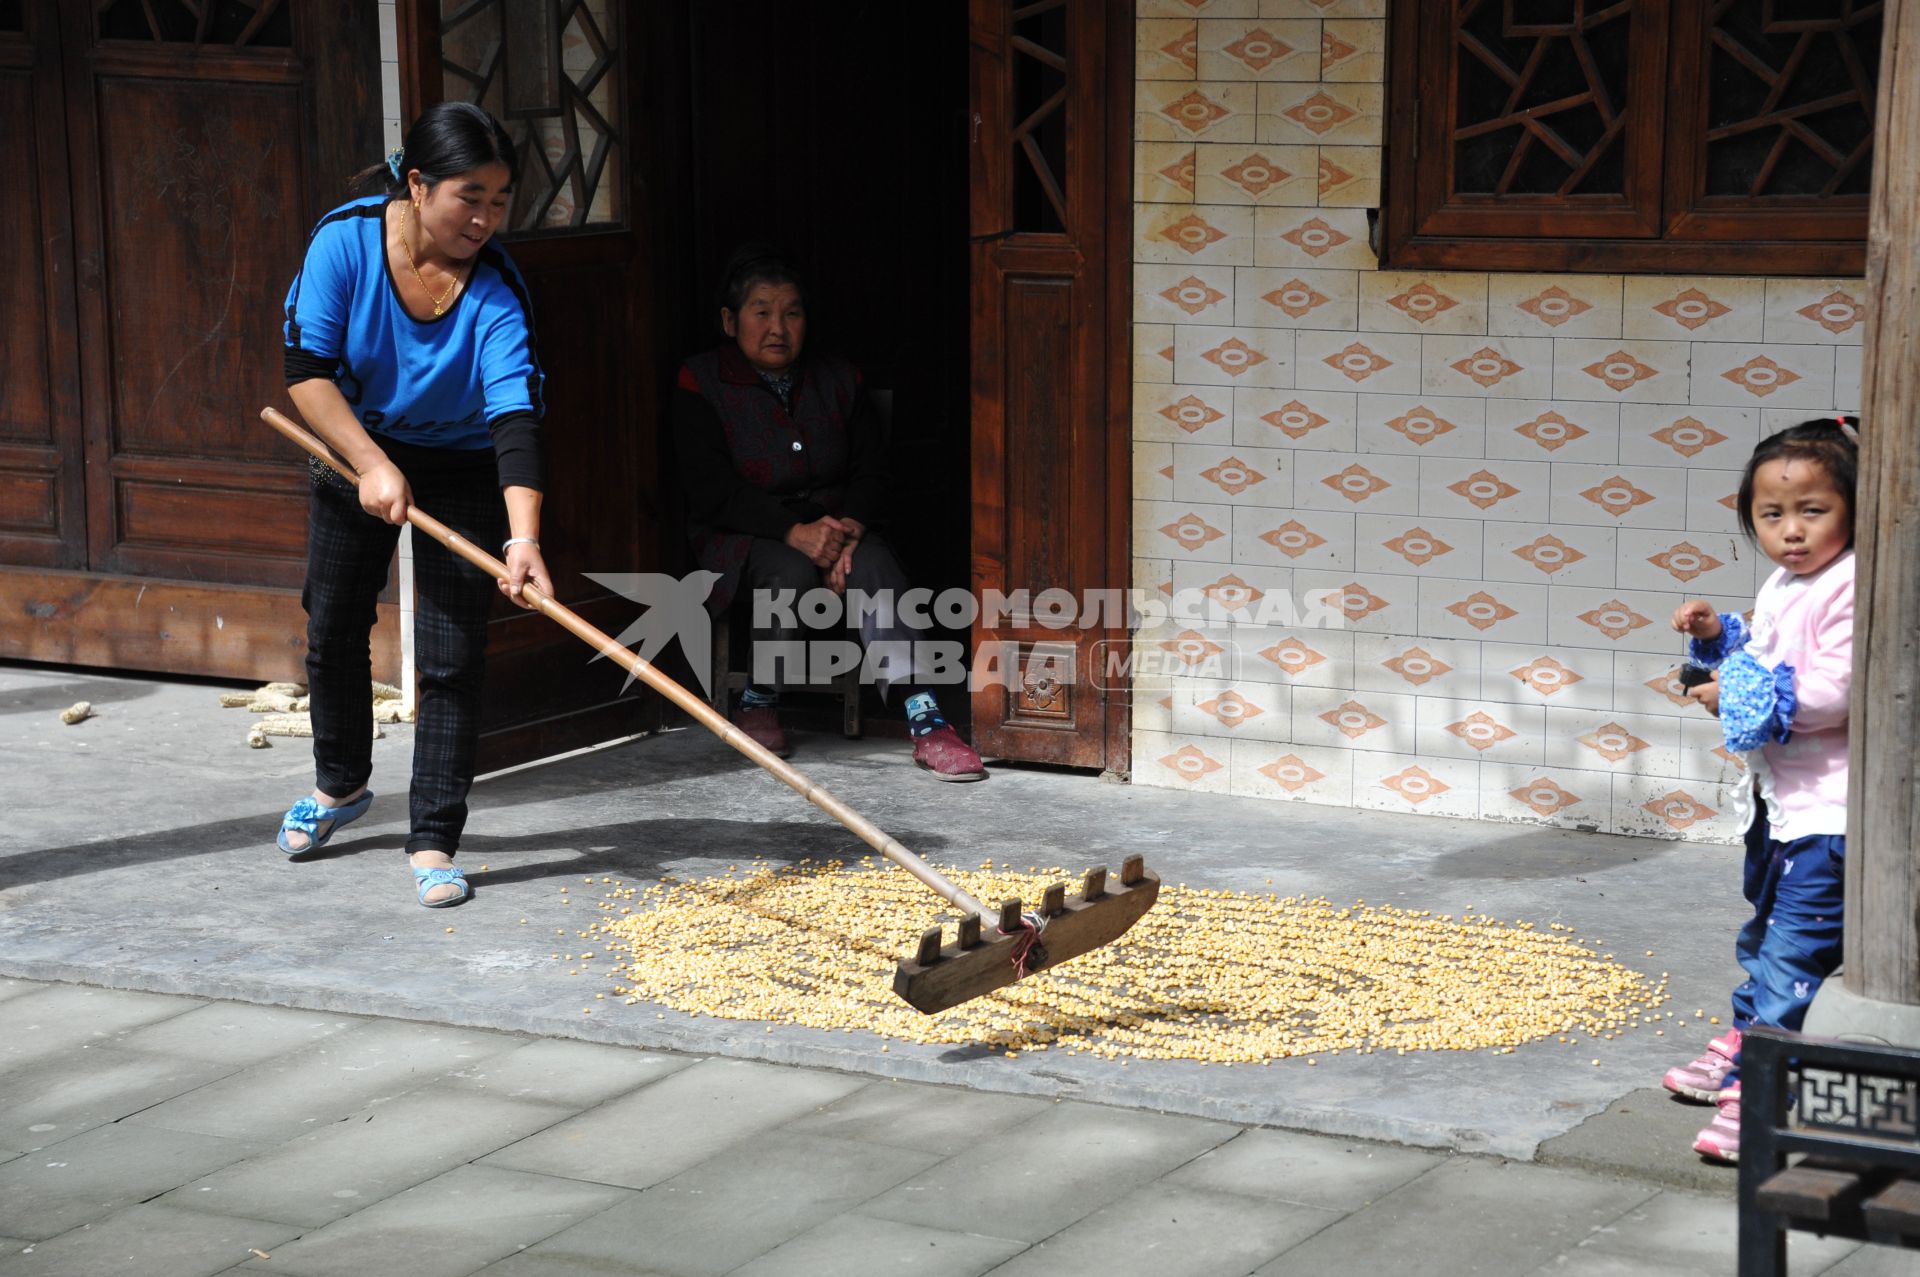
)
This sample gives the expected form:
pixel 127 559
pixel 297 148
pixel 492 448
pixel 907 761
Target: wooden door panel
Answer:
pixel 1047 475
pixel 42 511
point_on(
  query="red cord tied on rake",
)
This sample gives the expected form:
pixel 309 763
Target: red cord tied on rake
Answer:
pixel 937 977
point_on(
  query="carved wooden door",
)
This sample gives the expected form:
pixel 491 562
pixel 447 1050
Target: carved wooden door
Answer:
pixel 1051 227
pixel 164 160
pixel 556 73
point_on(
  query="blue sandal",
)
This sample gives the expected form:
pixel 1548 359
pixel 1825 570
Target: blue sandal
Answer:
pixel 306 816
pixel 427 879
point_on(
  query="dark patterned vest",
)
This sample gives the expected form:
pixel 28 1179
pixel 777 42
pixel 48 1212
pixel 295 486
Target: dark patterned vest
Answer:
pixel 799 454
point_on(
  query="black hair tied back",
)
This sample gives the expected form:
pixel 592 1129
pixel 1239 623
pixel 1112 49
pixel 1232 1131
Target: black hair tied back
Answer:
pixel 1832 443
pixel 448 138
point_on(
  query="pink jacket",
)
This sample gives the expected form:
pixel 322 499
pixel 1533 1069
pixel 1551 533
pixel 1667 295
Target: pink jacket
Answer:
pixel 1784 684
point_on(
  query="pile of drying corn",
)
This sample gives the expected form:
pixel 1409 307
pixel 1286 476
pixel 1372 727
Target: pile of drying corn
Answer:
pixel 286 712
pixel 1218 976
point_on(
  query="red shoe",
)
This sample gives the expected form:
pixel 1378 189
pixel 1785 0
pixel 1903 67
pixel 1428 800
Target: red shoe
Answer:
pixel 762 726
pixel 944 756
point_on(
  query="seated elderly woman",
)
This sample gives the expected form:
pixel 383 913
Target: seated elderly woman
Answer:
pixel 783 462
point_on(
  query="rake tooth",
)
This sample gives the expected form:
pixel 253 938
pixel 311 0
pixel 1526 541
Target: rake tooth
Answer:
pixel 929 947
pixel 1094 885
pixel 970 931
pixel 1054 901
pixel 1010 914
pixel 1132 870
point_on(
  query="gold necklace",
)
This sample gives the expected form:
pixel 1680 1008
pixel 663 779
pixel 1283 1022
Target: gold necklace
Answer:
pixel 440 302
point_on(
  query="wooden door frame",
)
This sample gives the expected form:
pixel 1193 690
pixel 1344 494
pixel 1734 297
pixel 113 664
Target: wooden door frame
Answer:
pixel 1119 416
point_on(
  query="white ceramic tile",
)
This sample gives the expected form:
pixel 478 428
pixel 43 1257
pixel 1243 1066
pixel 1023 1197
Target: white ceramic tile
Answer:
pixel 1322 8
pixel 1688 308
pixel 1185 111
pixel 1274 298
pixel 1349 176
pixel 1487 367
pixel 1321 539
pixel 1417 666
pixel 1420 784
pixel 1554 305
pixel 1178 653
pixel 1395 301
pixel 1171 761
pixel 1164 173
pixel 1469 488
pixel 1234 475
pixel 1620 371
pixel 1206 355
pixel 1689 562
pixel 1415 546
pixel 1616 619
pixel 1383 363
pixel 1292 773
pixel 1259 50
pixel 1696 437
pixel 1317 114
pixel 1333 718
pixel 1610 741
pixel 1152 354
pixel 1152 711
pixel 1301 658
pixel 1197 235
pixel 1152 471
pixel 1710 497
pixel 1230 594
pixel 1645 683
pixel 1165 49
pixel 1502 733
pixel 1816 311
pixel 1544 430
pixel 1619 496
pixel 1557 796
pixel 1425 426
pixel 1569 678
pixel 1756 375
pixel 1353 50
pixel 1240 711
pixel 1321 420
pixel 1491 611
pixel 1167 413
pixel 1704 754
pixel 1846 379
pixel 1327 238
pixel 1563 554
pixel 1662 807
pixel 1367 602
pixel 1199 8
pixel 1183 293
pixel 1348 482
pixel 1251 173
pixel 1179 530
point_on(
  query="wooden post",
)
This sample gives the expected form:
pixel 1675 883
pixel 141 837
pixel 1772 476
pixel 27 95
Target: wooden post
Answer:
pixel 1883 820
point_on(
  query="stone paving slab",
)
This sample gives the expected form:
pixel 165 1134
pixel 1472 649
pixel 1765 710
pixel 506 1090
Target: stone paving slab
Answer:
pixel 233 1033
pixel 90 1176
pixel 54 1099
pixel 857 1246
pixel 1311 1170
pixel 934 1119
pixel 148 1241
pixel 577 1074
pixel 455 1224
pixel 53 1020
pixel 1691 1233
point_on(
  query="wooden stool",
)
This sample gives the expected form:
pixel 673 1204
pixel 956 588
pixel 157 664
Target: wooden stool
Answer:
pixel 727 680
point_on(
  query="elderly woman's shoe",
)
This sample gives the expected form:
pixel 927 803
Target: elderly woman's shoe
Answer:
pixel 761 723
pixel 944 756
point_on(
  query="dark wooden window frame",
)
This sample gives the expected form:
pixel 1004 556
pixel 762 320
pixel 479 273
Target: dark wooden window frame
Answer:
pixel 1661 226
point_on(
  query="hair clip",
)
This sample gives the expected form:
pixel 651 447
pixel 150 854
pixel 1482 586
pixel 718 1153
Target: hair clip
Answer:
pixel 393 161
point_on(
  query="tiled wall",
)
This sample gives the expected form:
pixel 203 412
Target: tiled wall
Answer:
pixel 1509 481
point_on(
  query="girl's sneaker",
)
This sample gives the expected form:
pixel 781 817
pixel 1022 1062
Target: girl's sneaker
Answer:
pixel 1720 1141
pixel 1701 1080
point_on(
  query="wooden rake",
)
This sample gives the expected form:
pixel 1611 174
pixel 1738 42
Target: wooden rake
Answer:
pixel 993 947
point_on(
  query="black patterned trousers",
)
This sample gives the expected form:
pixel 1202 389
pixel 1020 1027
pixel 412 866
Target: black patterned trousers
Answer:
pixel 349 553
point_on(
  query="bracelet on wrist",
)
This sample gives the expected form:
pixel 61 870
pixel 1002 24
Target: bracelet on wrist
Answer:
pixel 513 541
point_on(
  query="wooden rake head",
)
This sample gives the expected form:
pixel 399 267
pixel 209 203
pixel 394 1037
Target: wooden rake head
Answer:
pixel 938 977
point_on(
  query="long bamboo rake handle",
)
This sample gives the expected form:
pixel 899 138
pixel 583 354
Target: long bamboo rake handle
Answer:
pixel 817 794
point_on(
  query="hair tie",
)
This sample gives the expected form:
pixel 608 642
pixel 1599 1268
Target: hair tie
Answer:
pixel 1853 436
pixel 393 161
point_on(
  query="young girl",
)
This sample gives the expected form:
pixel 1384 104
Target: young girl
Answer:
pixel 1780 690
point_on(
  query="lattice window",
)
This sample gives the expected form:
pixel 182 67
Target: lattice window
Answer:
pixel 1039 42
pixel 1627 135
pixel 243 24
pixel 550 70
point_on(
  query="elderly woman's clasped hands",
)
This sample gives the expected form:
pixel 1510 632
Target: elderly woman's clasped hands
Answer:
pixel 829 542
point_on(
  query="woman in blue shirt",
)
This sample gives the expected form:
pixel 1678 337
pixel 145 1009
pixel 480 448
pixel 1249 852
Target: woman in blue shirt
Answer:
pixel 410 350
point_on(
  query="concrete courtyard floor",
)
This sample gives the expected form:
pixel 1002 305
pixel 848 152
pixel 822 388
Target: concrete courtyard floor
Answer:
pixel 344 1083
